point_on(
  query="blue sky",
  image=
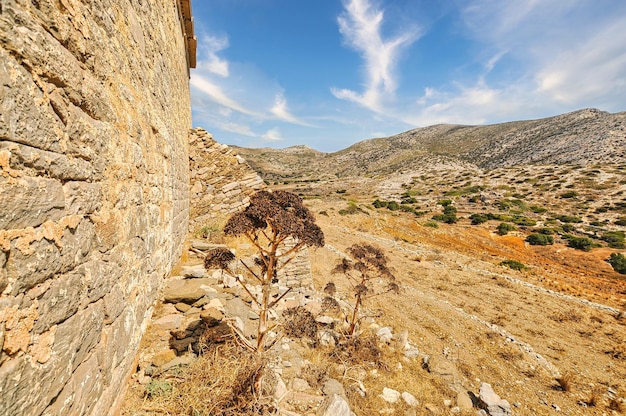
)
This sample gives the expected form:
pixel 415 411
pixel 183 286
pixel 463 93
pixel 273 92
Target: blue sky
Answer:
pixel 330 73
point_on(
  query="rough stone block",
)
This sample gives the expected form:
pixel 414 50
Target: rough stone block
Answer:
pixel 82 197
pixel 28 202
pixel 33 268
pixel 59 302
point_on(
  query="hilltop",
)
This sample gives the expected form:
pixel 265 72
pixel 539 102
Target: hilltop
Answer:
pixel 582 137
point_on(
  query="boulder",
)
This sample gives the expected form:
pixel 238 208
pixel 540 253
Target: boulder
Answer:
pixel 390 395
pixel 185 291
pixel 211 316
pixel 334 405
pixel 492 402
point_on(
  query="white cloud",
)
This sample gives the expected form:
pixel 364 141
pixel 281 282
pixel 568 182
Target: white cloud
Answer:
pixel 232 127
pixel 273 135
pixel 216 94
pixel 210 46
pixel 588 70
pixel 361 27
pixel 282 113
pixel 555 59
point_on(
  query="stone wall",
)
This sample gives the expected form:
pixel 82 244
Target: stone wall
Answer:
pixel 221 180
pixel 222 183
pixel 94 117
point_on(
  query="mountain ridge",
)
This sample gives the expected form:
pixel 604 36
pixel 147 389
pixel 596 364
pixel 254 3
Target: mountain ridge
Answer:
pixel 587 136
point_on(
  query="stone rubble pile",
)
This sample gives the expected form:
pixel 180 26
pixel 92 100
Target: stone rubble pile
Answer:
pixel 202 306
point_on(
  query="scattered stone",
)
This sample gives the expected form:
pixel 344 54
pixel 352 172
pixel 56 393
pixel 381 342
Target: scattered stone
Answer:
pixel 162 357
pixel 556 407
pixel 412 353
pixel 229 281
pixel 402 340
pixel 180 361
pixel 384 334
pixel 447 403
pixel 280 389
pixel 202 301
pixel 253 316
pixel 194 271
pixel 332 386
pixel 168 322
pixel 299 384
pixel 323 319
pixel 215 303
pixel 211 316
pixel 494 404
pixel 192 311
pixel 182 307
pixel 334 405
pixel 410 399
pixel 185 291
pixel 463 401
pixel 390 395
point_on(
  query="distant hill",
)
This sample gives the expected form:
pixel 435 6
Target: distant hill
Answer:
pixel 582 137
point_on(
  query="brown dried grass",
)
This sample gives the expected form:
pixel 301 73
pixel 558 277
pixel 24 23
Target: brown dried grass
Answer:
pixel 227 380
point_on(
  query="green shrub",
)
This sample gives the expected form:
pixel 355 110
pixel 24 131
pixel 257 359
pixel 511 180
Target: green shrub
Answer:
pixel 379 204
pixel 448 216
pixel 410 200
pixel 537 209
pixel 393 206
pixel 431 224
pixel 524 221
pixel 478 218
pixel 567 228
pixel 505 227
pixel 513 264
pixel 444 202
pixel 569 194
pixel 621 221
pixel 581 243
pixel 546 231
pixel 615 239
pixel 537 239
pixel 498 217
pixel 569 219
pixel 618 262
pixel 352 209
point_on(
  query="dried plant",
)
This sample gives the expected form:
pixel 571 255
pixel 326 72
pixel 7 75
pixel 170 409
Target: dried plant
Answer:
pixel 220 258
pixel 300 323
pixel 269 220
pixel 367 265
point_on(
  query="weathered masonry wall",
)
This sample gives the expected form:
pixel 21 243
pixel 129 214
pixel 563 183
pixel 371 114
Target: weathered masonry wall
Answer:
pixel 222 183
pixel 94 120
pixel 221 180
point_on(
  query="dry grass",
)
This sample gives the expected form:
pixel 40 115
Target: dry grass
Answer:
pixel 226 380
pixel 565 382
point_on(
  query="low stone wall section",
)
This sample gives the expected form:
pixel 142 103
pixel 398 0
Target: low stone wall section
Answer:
pixel 221 180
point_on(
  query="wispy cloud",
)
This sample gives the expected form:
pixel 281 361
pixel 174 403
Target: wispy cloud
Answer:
pixel 281 111
pixel 561 60
pixel 216 94
pixel 590 69
pixel 273 135
pixel 361 27
pixel 209 47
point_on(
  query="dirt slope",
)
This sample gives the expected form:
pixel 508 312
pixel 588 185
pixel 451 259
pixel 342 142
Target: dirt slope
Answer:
pixel 515 330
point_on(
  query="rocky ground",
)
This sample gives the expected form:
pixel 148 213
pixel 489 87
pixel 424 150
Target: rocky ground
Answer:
pixel 547 339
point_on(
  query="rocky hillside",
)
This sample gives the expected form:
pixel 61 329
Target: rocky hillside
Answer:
pixel 583 137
